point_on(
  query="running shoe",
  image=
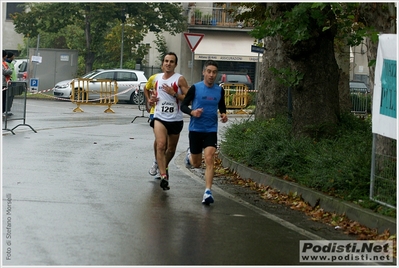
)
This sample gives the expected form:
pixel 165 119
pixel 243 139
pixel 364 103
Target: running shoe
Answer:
pixel 208 198
pixel 164 183
pixel 154 169
pixel 187 159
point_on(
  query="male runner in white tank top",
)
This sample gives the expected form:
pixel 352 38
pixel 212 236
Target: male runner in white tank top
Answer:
pixel 170 90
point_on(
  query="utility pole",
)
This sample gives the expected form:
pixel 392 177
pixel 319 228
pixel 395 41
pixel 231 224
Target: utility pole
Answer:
pixel 123 19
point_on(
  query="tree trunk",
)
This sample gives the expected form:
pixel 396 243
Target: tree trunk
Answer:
pixel 316 100
pixel 343 61
pixel 272 96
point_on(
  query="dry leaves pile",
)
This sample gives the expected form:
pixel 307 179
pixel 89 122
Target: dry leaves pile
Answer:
pixel 295 202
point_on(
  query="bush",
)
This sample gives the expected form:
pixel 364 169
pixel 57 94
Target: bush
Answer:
pixel 338 165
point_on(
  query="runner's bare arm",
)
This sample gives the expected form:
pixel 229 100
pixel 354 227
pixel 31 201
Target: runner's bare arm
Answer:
pixel 184 88
pixel 147 95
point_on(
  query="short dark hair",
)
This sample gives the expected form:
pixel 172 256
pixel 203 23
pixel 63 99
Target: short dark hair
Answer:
pixel 4 53
pixel 9 54
pixel 211 62
pixel 170 53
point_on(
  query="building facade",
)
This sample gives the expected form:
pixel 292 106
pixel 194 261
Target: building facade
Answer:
pixel 11 41
pixel 225 40
pixel 359 69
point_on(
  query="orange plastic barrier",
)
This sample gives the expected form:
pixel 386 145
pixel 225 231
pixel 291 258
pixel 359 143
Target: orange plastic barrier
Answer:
pixel 95 92
pixel 236 96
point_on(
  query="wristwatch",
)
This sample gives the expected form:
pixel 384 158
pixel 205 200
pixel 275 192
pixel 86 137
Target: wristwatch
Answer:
pixel 175 95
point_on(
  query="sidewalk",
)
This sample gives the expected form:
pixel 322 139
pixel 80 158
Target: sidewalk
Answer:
pixel 354 212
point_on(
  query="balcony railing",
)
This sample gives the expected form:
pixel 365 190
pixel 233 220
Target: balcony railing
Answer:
pixel 212 16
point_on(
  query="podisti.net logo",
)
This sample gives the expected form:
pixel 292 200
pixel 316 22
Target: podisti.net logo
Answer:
pixel 346 251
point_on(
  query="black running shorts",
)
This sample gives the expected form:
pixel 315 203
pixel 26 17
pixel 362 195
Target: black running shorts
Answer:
pixel 173 128
pixel 201 140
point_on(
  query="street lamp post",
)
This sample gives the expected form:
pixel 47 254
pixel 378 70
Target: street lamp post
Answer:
pixel 123 19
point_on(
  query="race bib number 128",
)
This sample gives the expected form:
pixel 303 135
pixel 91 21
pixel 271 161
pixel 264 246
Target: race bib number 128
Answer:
pixel 168 107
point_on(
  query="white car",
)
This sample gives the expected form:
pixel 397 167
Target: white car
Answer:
pixel 21 68
pixel 128 82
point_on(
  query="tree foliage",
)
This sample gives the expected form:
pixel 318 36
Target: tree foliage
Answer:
pixel 161 47
pixel 94 29
pixel 298 23
pixel 300 41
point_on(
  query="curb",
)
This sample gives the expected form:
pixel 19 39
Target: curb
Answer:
pixel 328 203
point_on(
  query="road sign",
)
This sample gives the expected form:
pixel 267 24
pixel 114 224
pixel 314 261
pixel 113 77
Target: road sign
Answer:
pixel 37 59
pixel 257 49
pixel 193 40
pixel 34 83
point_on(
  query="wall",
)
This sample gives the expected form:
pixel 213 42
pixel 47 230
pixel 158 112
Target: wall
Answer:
pixel 57 65
pixel 359 64
pixel 10 39
pixel 172 42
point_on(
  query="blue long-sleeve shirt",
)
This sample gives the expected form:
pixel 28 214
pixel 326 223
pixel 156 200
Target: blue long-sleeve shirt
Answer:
pixel 211 99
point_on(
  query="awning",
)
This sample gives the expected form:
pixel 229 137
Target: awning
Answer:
pixel 226 48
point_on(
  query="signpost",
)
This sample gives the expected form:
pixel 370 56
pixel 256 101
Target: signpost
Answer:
pixel 193 40
pixel 34 84
pixel 258 50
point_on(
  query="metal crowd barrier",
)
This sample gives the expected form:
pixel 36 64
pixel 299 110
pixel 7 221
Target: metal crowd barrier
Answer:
pixel 236 96
pixel 143 103
pixel 16 104
pixel 359 102
pixel 94 92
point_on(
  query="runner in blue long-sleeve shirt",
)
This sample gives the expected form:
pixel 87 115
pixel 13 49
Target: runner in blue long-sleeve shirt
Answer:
pixel 206 99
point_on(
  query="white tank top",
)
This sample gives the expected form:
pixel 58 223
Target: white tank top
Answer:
pixel 168 107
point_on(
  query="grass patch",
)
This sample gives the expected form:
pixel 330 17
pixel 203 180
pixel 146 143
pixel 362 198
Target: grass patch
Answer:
pixel 338 165
pixel 47 95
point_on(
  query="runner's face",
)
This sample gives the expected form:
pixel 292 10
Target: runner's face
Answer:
pixel 169 63
pixel 210 73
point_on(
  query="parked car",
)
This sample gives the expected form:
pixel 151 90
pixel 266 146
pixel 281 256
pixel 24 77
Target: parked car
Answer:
pixel 358 86
pixel 234 77
pixel 127 80
pixel 21 66
pixel 18 64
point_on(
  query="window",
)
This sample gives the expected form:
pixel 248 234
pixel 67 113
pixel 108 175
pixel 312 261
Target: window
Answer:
pixel 106 75
pixel 14 8
pixel 23 66
pixel 126 76
pixel 239 78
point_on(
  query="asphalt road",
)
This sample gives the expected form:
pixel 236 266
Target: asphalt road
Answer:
pixel 78 192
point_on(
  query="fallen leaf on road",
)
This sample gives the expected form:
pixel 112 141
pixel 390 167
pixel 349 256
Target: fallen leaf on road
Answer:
pixel 296 202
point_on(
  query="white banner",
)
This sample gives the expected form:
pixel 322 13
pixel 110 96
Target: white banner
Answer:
pixel 384 113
